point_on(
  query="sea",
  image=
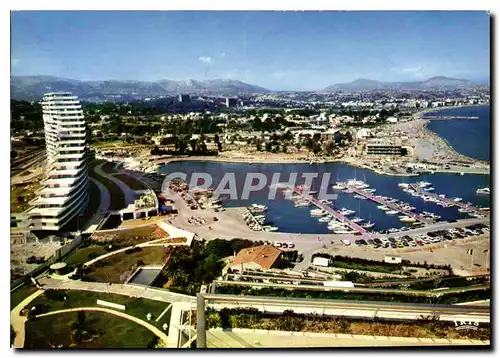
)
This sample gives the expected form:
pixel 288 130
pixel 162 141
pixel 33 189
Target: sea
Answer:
pixel 282 213
pixel 469 137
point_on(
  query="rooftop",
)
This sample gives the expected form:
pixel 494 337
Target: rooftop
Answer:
pixel 265 256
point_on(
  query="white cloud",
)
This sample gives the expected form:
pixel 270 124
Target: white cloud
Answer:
pixel 206 59
pixel 223 54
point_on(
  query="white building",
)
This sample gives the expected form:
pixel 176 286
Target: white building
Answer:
pixel 65 191
pixel 320 261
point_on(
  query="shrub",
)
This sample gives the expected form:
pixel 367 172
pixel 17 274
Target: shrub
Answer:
pixel 55 295
pixel 93 255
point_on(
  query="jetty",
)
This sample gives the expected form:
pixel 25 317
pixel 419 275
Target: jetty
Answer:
pixel 338 216
pixel 392 206
pixel 452 202
pixel 446 118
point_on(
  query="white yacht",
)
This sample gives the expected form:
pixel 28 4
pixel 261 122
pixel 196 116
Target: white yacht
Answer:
pixel 368 225
pixel 423 184
pixel 407 219
pixel 346 212
pixel 392 212
pixel 403 185
pixel 360 197
pixel 339 186
pixel 325 219
pixel 301 203
pixel 429 189
pixel 485 191
pixel 317 212
pixel 383 208
pixel 457 199
pixel 257 208
pixel 357 220
pixel 269 228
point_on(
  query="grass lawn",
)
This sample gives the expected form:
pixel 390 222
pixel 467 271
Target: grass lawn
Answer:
pixel 138 307
pixel 117 196
pixel 113 332
pixel 132 236
pixel 21 195
pixel 21 293
pixel 114 268
pixel 132 183
pixel 80 256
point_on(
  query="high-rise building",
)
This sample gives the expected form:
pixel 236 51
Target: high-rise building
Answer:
pixel 185 98
pixel 231 102
pixel 65 190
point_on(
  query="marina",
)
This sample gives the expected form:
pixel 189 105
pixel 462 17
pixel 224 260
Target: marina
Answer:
pixel 335 214
pixel 443 200
pixel 293 216
pixel 396 208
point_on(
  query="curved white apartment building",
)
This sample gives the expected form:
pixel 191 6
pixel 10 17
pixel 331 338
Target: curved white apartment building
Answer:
pixel 65 191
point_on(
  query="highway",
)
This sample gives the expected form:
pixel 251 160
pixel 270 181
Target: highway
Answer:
pixel 352 309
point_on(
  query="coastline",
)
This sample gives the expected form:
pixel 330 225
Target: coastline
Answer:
pixel 297 161
pixel 437 137
pixel 428 136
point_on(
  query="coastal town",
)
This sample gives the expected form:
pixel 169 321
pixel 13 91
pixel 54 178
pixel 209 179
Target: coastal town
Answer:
pixel 219 214
pixel 129 188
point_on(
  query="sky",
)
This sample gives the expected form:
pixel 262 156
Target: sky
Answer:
pixel 277 50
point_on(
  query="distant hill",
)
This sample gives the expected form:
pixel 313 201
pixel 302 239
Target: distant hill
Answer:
pixel 33 88
pixel 431 83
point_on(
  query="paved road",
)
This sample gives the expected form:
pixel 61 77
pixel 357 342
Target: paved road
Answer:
pixel 160 334
pixel 18 322
pixel 357 309
pixel 128 193
pixel 104 203
pixel 249 338
pixel 155 294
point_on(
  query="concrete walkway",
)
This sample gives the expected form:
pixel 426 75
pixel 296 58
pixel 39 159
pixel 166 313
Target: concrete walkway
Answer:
pixel 136 291
pixel 160 334
pixel 128 193
pixel 18 322
pixel 255 338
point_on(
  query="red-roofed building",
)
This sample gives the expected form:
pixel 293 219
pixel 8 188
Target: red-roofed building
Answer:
pixel 257 257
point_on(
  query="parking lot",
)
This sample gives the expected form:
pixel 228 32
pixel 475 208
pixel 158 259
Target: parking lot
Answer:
pixel 420 240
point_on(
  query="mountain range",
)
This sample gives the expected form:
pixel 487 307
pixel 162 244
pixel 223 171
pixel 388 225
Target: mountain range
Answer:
pixel 33 88
pixel 439 82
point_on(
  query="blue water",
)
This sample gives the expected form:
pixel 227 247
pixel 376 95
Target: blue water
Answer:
pixel 468 137
pixel 283 214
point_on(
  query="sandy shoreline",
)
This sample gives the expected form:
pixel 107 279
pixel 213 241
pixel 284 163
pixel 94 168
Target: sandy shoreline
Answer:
pixel 428 142
pixel 437 137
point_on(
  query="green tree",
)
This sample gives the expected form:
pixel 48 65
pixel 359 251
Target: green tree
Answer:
pixel 329 147
pixel 258 144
